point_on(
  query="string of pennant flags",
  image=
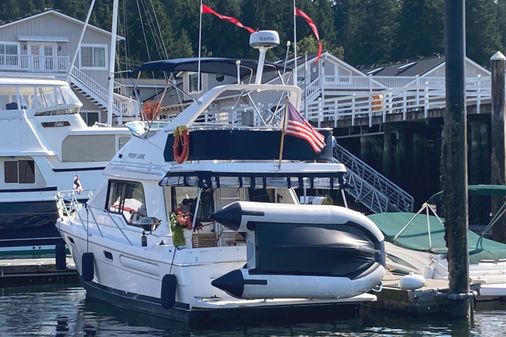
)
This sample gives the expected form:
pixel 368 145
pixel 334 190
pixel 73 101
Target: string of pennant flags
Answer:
pixel 204 9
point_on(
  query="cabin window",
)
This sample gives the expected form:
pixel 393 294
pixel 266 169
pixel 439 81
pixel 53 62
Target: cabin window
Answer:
pixel 19 171
pixel 90 117
pixel 9 54
pixel 8 100
pixel 88 148
pixel 93 56
pixel 122 141
pixel 193 80
pixel 127 198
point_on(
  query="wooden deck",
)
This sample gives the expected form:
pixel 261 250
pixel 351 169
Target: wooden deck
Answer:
pixel 26 271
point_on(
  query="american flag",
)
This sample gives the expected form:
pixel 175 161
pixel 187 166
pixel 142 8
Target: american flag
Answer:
pixel 77 186
pixel 299 127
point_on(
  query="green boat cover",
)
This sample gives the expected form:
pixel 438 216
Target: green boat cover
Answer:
pixel 485 189
pixel 415 236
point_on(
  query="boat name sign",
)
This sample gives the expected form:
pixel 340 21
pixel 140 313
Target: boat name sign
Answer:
pixel 133 155
pixel 56 124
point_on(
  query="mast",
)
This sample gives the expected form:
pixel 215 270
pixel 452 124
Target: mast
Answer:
pixel 112 58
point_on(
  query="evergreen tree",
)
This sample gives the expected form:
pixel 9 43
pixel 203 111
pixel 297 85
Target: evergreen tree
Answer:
pixel 421 29
pixel 483 37
pixel 9 10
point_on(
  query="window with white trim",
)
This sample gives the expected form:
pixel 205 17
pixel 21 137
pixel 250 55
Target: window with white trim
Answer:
pixel 93 56
pixel 9 54
pixel 193 79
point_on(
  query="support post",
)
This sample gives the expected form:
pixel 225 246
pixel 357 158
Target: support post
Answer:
pixel 454 160
pixel 497 160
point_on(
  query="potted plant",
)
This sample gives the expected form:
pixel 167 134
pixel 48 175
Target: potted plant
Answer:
pixel 179 221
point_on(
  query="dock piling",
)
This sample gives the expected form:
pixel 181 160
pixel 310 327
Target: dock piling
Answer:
pixel 498 147
pixel 454 160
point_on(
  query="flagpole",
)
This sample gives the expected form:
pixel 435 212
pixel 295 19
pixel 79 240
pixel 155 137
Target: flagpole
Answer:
pixel 200 46
pixel 283 132
pixel 294 45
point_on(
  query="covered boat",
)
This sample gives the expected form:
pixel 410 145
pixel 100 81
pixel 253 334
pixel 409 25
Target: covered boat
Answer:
pixel 415 243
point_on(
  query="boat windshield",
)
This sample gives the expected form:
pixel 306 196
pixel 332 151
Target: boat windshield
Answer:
pixel 325 180
pixel 46 100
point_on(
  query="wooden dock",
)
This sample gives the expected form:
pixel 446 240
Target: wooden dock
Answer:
pixel 431 299
pixel 27 271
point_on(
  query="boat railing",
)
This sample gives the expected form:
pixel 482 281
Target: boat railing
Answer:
pixel 69 206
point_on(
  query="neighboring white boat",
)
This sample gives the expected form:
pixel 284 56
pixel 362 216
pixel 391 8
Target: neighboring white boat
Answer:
pixel 415 243
pixel 214 228
pixel 45 144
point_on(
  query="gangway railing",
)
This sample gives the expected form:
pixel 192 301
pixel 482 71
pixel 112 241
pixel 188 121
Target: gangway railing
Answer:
pixel 370 187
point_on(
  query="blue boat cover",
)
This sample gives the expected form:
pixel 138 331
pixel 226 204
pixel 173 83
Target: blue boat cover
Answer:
pixel 211 65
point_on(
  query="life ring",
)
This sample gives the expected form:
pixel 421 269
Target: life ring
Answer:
pixel 180 151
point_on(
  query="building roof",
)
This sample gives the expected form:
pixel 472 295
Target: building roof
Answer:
pixel 61 15
pixel 407 68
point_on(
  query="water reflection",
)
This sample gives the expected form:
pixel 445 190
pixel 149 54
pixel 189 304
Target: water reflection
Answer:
pixel 65 311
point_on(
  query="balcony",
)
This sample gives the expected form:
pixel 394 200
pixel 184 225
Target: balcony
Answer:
pixel 34 63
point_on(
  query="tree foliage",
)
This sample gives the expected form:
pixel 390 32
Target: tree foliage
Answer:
pixel 360 31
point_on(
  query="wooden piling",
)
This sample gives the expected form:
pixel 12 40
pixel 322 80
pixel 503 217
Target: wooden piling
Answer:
pixel 497 160
pixel 454 159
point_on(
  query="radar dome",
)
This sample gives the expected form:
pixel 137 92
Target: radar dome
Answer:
pixel 264 39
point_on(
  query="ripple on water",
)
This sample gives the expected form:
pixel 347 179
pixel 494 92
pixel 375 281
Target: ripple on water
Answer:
pixel 65 311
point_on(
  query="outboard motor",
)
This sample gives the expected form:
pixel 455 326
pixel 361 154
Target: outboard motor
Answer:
pixel 302 251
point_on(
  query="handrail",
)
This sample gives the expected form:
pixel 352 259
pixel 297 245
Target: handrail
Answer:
pixel 123 106
pixel 422 94
pixel 396 197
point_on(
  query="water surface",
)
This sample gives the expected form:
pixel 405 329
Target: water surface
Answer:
pixel 65 311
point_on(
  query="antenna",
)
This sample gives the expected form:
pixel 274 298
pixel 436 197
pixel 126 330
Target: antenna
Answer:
pixel 263 40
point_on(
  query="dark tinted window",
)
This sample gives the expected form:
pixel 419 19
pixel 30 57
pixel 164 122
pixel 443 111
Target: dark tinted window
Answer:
pixel 11 171
pixel 26 171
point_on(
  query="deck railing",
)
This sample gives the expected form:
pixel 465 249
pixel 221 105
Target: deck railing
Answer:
pixel 419 95
pixel 34 63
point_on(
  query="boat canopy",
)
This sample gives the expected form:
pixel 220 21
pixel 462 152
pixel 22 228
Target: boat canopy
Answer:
pixel 416 235
pixel 495 190
pixel 259 180
pixel 210 65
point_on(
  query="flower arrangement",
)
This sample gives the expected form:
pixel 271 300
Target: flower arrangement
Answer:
pixel 180 220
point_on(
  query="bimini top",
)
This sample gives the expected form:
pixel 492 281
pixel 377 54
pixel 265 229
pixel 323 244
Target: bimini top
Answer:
pixel 211 65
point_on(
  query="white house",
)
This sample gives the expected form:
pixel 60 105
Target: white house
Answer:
pixel 45 44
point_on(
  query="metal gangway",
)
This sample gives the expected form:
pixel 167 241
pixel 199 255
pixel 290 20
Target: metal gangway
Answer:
pixel 369 187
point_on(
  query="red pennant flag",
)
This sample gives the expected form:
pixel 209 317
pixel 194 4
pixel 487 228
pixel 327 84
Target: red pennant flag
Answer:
pixel 208 10
pixel 311 24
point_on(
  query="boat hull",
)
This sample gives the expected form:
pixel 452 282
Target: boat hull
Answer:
pixel 244 314
pixel 28 227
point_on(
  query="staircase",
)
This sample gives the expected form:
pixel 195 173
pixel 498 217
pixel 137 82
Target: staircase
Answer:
pixel 125 109
pixel 370 188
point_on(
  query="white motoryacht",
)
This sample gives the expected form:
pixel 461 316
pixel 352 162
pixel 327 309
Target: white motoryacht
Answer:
pixel 46 146
pixel 202 219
